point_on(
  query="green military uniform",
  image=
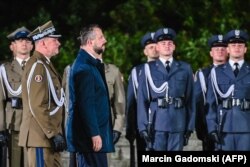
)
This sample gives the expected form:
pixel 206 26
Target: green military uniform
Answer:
pixel 13 116
pixel 11 100
pixel 43 97
pixel 116 96
pixel 40 123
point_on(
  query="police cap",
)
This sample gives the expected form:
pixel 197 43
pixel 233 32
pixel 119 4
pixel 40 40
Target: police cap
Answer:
pixel 20 33
pixel 236 36
pixel 148 38
pixel 45 30
pixel 164 34
pixel 216 41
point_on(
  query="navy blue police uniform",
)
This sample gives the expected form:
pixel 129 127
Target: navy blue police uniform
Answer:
pixel 165 102
pixel 228 97
pixel 131 105
pixel 201 80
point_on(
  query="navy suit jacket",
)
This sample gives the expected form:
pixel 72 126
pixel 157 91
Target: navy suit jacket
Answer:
pixel 89 109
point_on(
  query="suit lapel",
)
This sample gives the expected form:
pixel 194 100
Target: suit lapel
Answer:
pixel 227 69
pixel 160 67
pixel 174 67
pixel 244 70
pixel 16 67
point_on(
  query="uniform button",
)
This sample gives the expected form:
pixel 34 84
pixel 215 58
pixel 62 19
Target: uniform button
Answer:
pixel 49 131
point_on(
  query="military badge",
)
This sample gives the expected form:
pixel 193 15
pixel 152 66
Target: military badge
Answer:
pixel 38 78
pixel 220 37
pixel 237 33
pixel 165 30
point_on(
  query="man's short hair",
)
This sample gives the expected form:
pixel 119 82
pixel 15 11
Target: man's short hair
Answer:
pixel 87 33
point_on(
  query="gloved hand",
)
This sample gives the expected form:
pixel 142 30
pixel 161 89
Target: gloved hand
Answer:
pixel 116 136
pixel 186 137
pixel 145 136
pixel 214 136
pixel 58 143
pixel 3 138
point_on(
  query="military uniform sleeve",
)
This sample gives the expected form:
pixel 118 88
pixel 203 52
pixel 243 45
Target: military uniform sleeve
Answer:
pixel 211 116
pixel 190 100
pixel 119 102
pixel 130 110
pixel 142 103
pixel 39 101
pixel 2 108
pixel 200 107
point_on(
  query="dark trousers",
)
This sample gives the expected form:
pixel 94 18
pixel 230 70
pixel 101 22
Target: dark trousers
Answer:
pixel 3 156
pixel 167 141
pixel 234 142
pixel 208 144
pixel 92 160
pixel 72 160
pixel 140 143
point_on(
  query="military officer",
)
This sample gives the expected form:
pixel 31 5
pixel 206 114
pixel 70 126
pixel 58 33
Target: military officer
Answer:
pixel 218 53
pixel 228 97
pixel 148 45
pixel 117 98
pixel 43 97
pixel 11 100
pixel 165 109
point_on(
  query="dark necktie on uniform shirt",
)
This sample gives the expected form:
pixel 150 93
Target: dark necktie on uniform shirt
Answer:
pixel 23 64
pixel 236 70
pixel 168 65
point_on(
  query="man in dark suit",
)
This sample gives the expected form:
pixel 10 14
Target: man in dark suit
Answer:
pixel 89 126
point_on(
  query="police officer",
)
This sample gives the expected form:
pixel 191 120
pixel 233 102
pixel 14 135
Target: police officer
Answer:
pixel 165 110
pixel 148 44
pixel 43 97
pixel 11 103
pixel 218 52
pixel 228 97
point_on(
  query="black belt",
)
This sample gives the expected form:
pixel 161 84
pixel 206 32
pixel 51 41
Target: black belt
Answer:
pixel 16 102
pixel 165 102
pixel 230 102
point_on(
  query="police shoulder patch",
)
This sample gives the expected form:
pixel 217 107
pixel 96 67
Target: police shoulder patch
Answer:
pixel 38 78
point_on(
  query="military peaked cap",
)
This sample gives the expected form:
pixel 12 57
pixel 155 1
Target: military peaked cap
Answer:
pixel 20 33
pixel 164 34
pixel 216 41
pixel 148 38
pixel 46 30
pixel 236 36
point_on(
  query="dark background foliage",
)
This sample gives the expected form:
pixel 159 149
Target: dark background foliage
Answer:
pixel 124 22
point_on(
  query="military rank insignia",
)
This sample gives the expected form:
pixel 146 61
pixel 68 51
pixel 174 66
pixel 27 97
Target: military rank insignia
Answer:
pixel 38 78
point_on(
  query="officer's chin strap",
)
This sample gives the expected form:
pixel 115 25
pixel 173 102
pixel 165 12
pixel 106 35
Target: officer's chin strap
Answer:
pixel 59 102
pixel 216 87
pixel 134 81
pixel 162 88
pixel 8 87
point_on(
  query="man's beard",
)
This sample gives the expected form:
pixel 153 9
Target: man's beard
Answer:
pixel 98 50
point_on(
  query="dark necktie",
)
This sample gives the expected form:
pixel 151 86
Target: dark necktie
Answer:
pixel 23 64
pixel 168 66
pixel 236 70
